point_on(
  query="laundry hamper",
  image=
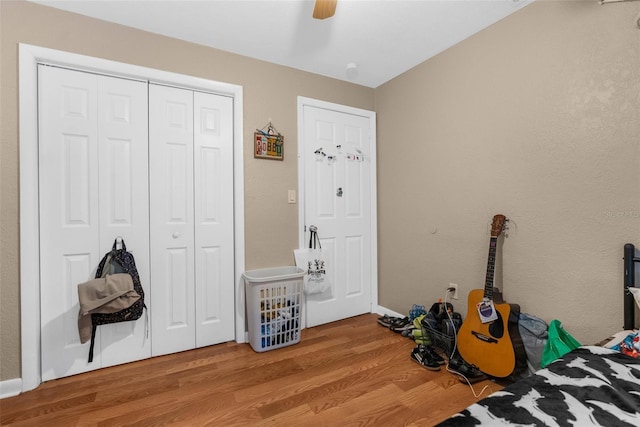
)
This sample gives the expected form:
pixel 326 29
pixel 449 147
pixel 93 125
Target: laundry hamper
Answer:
pixel 274 305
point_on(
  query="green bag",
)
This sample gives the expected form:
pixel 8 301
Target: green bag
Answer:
pixel 559 343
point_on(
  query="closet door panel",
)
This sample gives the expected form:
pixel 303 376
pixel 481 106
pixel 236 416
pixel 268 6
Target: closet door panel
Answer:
pixel 213 186
pixel 171 219
pixel 150 163
pixel 124 200
pixel 69 220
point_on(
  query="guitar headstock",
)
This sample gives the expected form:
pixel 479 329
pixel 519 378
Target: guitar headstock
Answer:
pixel 498 224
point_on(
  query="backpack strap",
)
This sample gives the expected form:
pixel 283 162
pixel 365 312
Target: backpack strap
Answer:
pixel 119 241
pixel 93 341
pixel 146 321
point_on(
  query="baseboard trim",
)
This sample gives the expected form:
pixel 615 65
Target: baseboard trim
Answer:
pixel 10 388
pixel 383 310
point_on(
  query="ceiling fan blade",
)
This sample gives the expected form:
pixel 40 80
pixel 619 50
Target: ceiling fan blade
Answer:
pixel 324 9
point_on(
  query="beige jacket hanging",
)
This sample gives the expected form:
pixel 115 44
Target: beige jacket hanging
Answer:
pixel 105 295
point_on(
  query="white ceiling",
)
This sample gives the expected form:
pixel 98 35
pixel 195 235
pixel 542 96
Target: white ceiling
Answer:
pixel 383 38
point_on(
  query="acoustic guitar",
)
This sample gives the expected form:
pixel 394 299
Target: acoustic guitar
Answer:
pixel 489 336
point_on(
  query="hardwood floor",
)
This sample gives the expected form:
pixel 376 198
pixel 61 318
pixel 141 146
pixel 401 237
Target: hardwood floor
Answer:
pixel 352 372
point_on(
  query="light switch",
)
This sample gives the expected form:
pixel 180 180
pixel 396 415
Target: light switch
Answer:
pixel 291 198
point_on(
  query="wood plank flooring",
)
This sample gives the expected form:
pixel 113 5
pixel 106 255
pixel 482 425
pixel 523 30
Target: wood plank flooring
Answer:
pixel 348 373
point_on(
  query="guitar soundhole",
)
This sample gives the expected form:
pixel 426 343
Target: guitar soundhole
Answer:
pixel 496 328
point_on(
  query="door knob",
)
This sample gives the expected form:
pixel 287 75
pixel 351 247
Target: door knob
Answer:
pixel 175 235
pixel 339 192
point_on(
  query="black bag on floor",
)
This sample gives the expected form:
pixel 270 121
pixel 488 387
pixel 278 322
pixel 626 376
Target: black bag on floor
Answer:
pixel 442 318
pixel 113 262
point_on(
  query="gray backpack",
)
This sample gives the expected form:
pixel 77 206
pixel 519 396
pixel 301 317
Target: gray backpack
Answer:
pixel 113 262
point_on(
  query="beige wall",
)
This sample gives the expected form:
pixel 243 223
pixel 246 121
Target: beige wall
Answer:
pixel 270 92
pixel 538 118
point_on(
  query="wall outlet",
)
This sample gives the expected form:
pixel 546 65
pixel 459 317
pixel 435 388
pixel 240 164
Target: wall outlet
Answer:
pixel 454 294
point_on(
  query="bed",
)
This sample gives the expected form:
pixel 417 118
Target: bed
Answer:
pixel 591 385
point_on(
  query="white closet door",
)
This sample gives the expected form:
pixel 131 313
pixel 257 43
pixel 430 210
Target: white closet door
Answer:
pixel 123 145
pixel 213 173
pixel 192 246
pixel 69 227
pixel 74 108
pixel 172 219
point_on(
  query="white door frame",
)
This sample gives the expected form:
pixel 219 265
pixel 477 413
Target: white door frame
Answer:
pixel 309 102
pixel 29 57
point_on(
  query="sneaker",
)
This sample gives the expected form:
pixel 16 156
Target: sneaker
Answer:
pixel 387 320
pixel 434 355
pixel 408 332
pixel 423 359
pixel 401 325
pixel 470 372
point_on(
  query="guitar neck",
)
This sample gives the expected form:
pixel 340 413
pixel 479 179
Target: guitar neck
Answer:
pixel 491 267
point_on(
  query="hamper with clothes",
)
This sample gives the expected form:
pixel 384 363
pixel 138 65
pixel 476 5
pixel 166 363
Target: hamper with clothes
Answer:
pixel 274 305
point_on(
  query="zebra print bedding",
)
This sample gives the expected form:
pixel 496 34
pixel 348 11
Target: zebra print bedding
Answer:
pixel 590 386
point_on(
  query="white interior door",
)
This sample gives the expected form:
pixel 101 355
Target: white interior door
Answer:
pixel 123 153
pixel 214 224
pixel 172 222
pixel 192 241
pixel 69 219
pixel 92 134
pixel 337 152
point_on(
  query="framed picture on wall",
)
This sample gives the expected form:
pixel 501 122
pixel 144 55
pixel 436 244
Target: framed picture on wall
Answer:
pixel 268 145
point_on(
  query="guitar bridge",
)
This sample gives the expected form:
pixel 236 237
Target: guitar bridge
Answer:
pixel 484 338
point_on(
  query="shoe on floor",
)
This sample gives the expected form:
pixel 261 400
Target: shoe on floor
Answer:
pixel 408 332
pixel 434 355
pixel 387 320
pixel 401 325
pixel 422 358
pixel 470 372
